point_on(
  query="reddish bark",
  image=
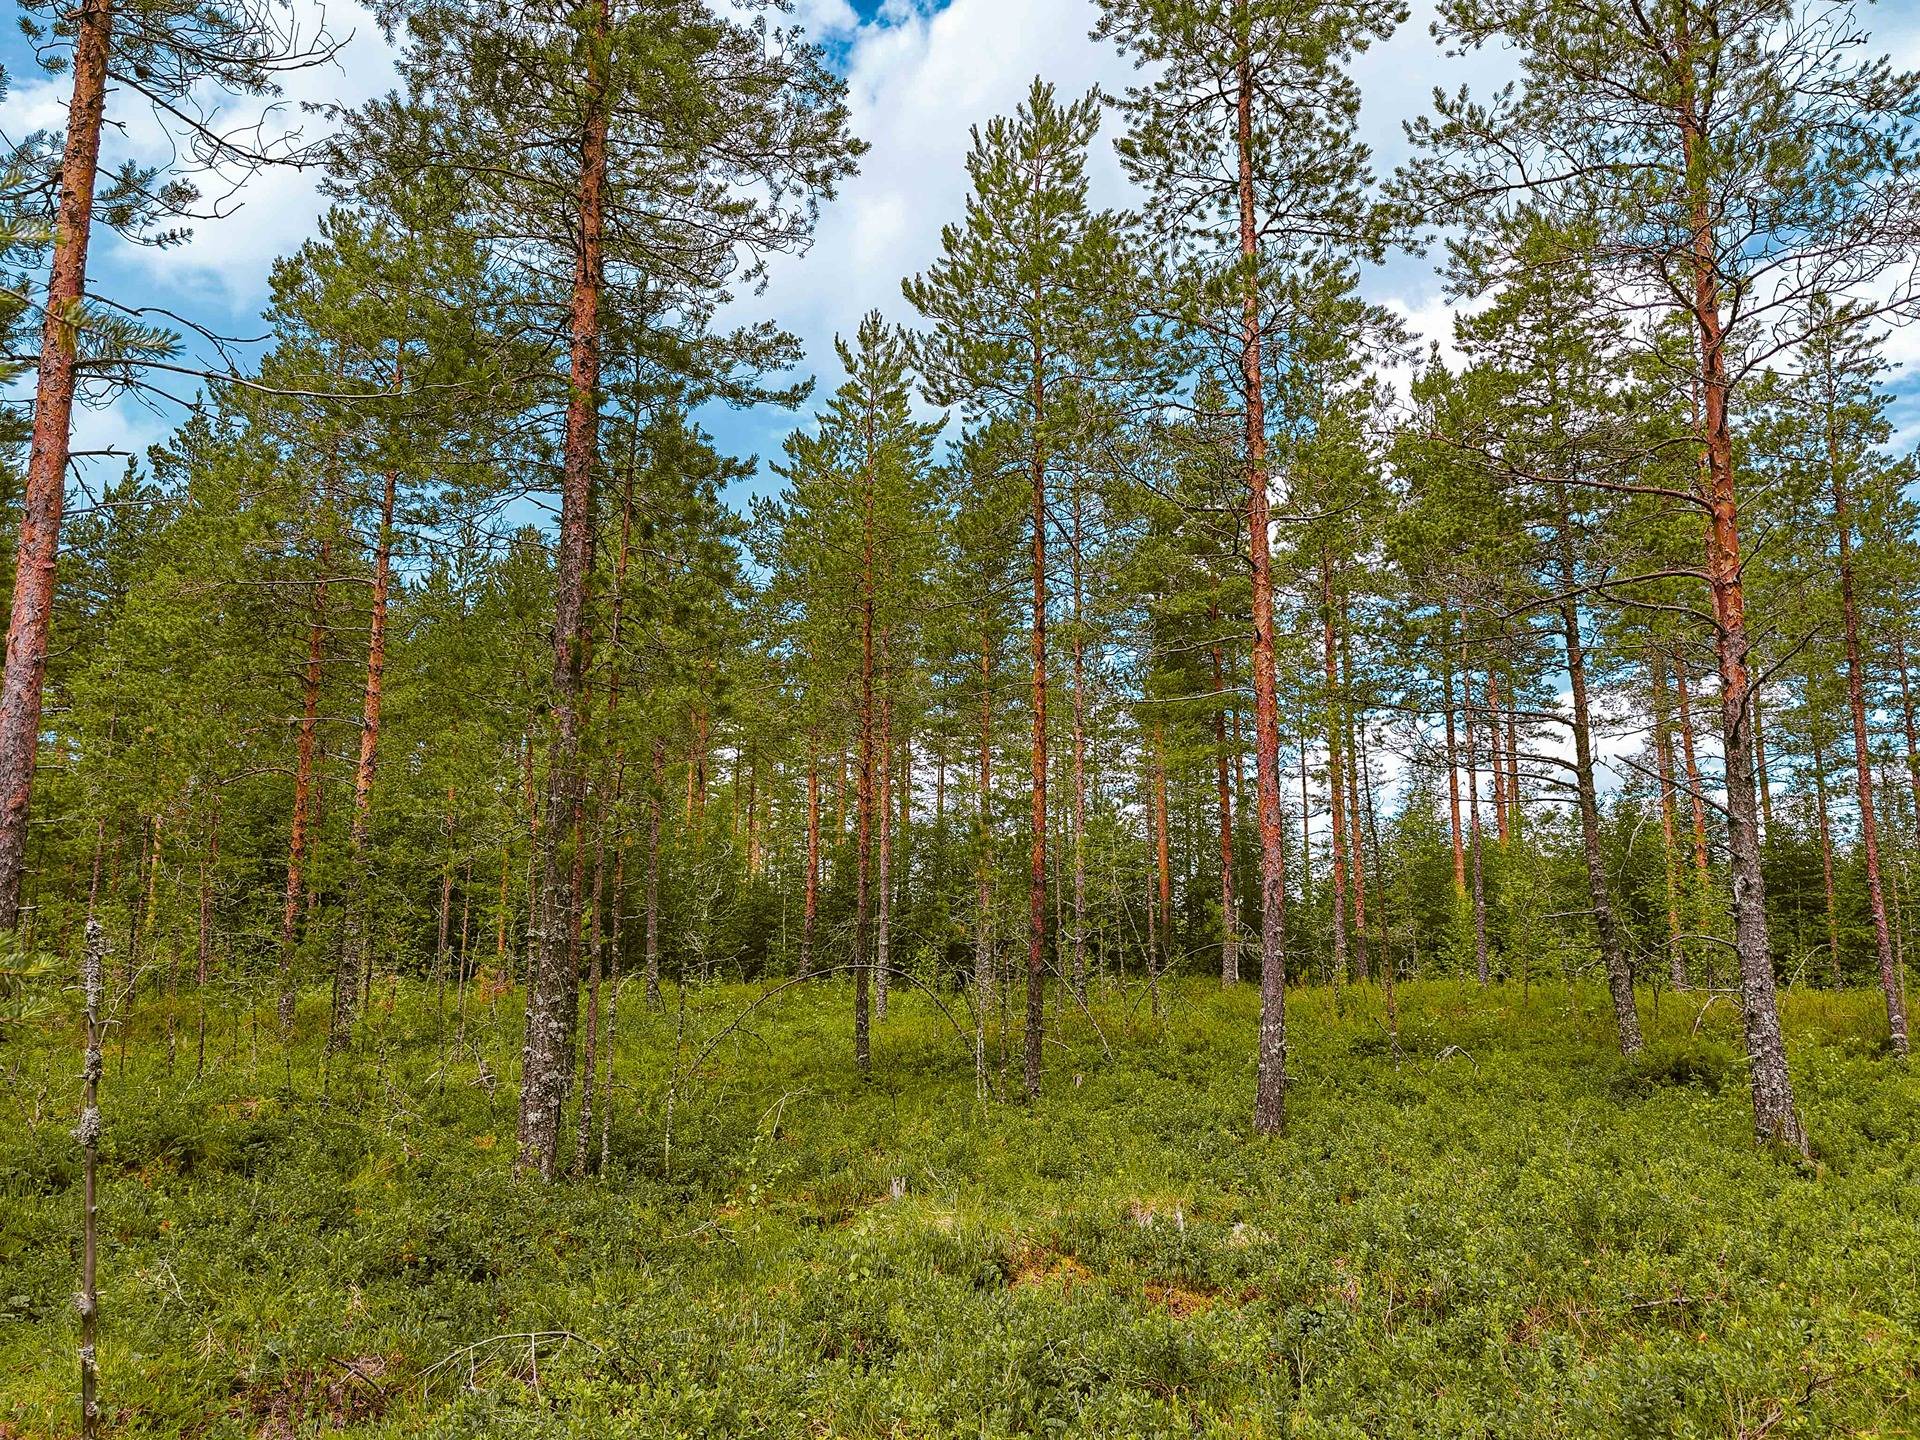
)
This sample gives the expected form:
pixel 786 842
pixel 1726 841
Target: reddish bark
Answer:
pixel 356 949
pixel 1773 1107
pixel 34 574
pixel 303 784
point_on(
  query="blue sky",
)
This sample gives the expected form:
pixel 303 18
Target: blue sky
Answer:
pixel 919 75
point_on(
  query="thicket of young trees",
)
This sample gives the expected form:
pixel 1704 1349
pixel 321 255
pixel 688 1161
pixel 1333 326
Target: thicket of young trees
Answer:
pixel 1149 601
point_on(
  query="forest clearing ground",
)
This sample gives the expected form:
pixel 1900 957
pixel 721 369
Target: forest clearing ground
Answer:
pixel 1511 1231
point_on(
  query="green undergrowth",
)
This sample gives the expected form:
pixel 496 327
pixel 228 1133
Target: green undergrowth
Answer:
pixel 1505 1230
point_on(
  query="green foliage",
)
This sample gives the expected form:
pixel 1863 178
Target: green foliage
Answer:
pixel 1507 1231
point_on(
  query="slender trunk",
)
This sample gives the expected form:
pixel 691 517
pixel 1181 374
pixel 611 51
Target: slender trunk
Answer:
pixel 203 962
pixel 1079 972
pixel 1496 755
pixel 589 1066
pixel 883 930
pixel 1481 967
pixel 655 799
pixel 303 786
pixel 31 616
pixel 1826 857
pixel 1269 1105
pixel 863 792
pixel 1613 959
pixel 1356 848
pixel 356 952
pixel 1336 794
pixel 1162 852
pixel 547 1067
pixel 1669 851
pixel 1760 771
pixel 1310 953
pixel 1908 724
pixel 810 907
pixel 1862 756
pixel 1774 1115
pixel 983 966
pixel 1229 917
pixel 1696 793
pixel 93 987
pixel 1453 756
pixel 1513 753
pixel 1037 845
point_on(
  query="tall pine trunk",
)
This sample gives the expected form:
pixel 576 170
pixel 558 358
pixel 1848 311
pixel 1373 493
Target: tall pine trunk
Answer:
pixel 1774 1115
pixel 547 1066
pixel 1037 844
pixel 1270 1086
pixel 31 616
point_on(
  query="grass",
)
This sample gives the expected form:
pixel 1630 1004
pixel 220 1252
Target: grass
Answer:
pixel 1510 1231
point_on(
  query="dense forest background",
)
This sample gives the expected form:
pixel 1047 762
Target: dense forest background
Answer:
pixel 1584 657
pixel 442 732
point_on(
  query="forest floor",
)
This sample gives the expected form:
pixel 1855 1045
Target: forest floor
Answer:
pixel 1508 1231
